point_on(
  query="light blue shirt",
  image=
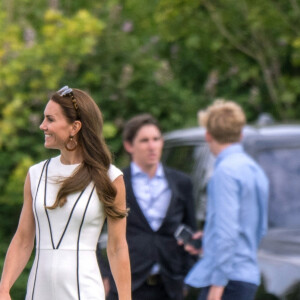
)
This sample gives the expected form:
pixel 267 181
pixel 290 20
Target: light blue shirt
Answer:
pixel 235 223
pixel 152 194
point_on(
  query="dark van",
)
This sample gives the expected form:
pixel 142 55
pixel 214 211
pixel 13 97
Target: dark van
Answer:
pixel 277 149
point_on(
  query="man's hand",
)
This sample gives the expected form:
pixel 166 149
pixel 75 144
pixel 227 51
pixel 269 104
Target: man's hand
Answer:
pixel 215 292
pixel 191 249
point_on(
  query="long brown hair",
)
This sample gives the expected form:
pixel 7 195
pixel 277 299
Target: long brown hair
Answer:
pixel 96 155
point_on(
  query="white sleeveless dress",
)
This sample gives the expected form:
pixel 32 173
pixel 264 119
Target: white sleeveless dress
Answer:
pixel 65 265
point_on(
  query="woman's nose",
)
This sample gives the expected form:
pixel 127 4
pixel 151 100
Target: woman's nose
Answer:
pixel 42 126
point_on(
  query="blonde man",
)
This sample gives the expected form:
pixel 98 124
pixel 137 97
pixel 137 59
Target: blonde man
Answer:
pixel 236 211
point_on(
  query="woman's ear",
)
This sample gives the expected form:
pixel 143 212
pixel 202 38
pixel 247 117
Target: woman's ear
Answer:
pixel 76 126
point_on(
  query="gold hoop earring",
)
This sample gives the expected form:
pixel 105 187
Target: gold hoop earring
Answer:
pixel 71 144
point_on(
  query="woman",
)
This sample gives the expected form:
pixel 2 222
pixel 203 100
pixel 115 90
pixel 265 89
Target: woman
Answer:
pixel 66 200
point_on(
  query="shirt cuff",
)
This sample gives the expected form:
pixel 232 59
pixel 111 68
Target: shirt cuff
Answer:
pixel 219 279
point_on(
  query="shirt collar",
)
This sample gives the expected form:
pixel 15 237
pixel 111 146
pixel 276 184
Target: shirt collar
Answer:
pixel 234 148
pixel 136 170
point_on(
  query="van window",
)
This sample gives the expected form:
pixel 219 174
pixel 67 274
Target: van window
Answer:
pixel 196 161
pixel 180 158
pixel 282 166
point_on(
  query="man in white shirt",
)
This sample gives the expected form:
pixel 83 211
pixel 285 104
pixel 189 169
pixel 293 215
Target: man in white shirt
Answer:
pixel 160 199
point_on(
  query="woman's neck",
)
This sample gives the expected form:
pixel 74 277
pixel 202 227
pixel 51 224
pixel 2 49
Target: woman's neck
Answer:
pixel 71 158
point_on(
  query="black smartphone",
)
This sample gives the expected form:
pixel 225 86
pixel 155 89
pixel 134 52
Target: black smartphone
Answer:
pixel 185 234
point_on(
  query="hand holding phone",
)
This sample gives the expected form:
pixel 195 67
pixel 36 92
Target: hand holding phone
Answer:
pixel 185 235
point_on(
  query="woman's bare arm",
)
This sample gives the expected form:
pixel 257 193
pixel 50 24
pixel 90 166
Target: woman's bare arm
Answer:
pixel 117 248
pixel 21 246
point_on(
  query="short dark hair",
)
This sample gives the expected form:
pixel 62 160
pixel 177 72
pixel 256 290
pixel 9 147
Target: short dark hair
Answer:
pixel 133 125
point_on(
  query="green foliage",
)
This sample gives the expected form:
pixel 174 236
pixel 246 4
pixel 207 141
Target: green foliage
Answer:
pixel 169 58
pixel 244 50
pixel 166 57
pixel 29 70
pixel 14 187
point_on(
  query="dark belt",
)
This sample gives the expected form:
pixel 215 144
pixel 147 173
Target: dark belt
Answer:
pixel 154 279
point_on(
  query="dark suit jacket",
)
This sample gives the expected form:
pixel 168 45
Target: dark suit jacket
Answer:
pixel 147 247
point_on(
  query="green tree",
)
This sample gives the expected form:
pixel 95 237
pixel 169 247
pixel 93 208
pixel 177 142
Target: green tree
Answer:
pixel 246 50
pixel 29 71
